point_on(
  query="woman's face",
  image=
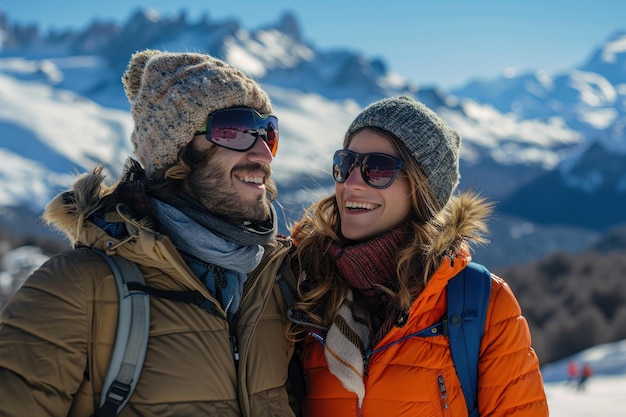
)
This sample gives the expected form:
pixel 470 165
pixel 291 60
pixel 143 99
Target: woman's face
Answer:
pixel 365 211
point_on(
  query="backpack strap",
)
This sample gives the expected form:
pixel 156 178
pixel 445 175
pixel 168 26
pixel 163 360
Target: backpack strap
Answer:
pixel 131 337
pixel 189 297
pixel 468 296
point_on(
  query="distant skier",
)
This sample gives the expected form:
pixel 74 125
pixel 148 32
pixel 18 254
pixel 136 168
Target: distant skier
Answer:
pixel 572 373
pixel 585 374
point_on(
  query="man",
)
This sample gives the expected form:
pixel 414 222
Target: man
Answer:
pixel 197 218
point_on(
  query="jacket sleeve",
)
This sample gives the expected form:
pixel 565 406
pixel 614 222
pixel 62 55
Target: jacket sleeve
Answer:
pixel 510 381
pixel 43 342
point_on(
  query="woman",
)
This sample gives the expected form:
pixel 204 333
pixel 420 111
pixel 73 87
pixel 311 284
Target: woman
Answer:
pixel 374 260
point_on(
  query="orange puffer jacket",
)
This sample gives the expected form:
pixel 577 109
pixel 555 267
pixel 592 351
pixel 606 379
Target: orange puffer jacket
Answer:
pixel 415 376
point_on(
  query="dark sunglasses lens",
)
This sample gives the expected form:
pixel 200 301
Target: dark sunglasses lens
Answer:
pixel 343 162
pixel 271 135
pixel 231 129
pixel 379 171
pixel 238 129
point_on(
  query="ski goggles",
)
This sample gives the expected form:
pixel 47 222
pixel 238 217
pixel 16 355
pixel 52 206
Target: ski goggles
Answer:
pixel 238 128
pixel 378 170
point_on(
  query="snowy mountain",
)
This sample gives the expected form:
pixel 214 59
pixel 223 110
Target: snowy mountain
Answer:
pixel 590 98
pixel 591 191
pixel 589 186
pixel 63 110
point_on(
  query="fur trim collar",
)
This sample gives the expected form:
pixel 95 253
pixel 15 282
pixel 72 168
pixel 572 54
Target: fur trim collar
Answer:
pixel 462 221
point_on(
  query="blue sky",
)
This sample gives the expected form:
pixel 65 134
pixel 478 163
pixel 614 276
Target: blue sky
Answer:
pixel 445 42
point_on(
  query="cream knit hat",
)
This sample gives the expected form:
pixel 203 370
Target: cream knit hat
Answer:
pixel 434 145
pixel 171 95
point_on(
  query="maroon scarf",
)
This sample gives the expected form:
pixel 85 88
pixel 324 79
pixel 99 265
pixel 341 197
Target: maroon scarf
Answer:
pixel 365 265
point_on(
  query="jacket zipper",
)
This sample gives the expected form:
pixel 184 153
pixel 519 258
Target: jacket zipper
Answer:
pixel 232 326
pixel 234 347
pixel 366 362
pixel 444 396
pixel 259 274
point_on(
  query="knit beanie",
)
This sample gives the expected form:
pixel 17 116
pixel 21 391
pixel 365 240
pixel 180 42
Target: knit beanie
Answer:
pixel 171 96
pixel 433 144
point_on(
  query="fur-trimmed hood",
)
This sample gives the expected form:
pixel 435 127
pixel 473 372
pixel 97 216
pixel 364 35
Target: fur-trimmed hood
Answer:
pixel 463 221
pixel 69 211
pixel 114 217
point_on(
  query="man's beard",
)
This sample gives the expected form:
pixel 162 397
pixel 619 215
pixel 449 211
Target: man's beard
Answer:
pixel 210 186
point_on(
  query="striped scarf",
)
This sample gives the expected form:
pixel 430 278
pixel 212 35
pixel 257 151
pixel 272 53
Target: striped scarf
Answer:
pixel 364 266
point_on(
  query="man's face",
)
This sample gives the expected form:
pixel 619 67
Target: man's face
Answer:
pixel 231 184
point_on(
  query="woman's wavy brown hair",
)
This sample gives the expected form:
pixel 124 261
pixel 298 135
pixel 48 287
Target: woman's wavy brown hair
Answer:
pixel 322 290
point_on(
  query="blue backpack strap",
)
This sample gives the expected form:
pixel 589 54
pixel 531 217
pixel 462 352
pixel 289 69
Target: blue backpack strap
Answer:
pixel 468 299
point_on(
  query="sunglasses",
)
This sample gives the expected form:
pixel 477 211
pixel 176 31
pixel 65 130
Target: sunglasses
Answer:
pixel 238 128
pixel 378 170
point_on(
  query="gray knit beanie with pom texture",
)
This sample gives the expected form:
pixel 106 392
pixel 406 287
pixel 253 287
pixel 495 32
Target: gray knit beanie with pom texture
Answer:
pixel 171 95
pixel 434 145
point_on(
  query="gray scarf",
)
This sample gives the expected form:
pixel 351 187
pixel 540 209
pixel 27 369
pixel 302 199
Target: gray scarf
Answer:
pixel 212 241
